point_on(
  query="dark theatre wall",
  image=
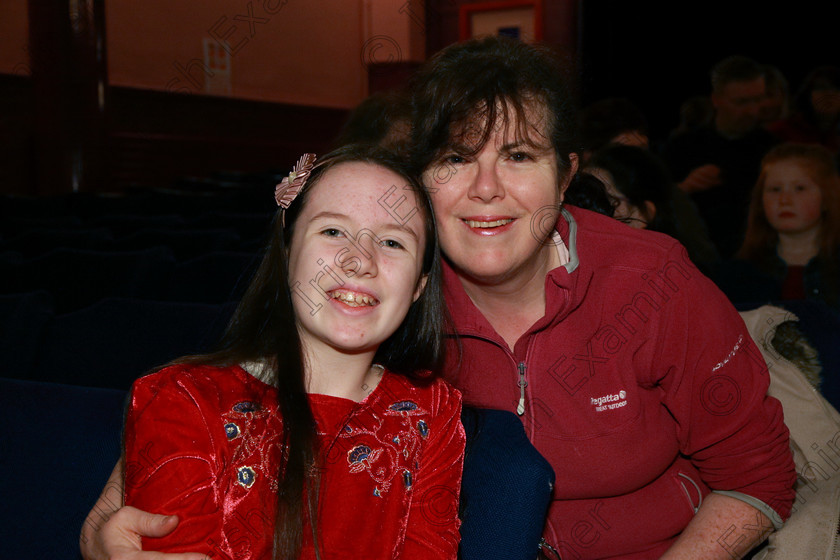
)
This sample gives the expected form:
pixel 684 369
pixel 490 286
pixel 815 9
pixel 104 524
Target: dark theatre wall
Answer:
pixel 155 138
pixel 655 53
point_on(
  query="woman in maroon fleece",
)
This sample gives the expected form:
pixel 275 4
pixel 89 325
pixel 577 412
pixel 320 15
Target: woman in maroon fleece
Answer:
pixel 631 372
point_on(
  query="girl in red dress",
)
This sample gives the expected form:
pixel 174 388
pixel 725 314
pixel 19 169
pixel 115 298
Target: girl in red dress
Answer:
pixel 318 429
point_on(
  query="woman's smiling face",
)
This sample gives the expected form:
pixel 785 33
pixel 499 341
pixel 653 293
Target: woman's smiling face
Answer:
pixel 496 208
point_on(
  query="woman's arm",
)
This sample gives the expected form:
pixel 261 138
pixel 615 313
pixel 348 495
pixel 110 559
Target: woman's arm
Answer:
pixel 723 528
pixel 113 532
pixel 733 432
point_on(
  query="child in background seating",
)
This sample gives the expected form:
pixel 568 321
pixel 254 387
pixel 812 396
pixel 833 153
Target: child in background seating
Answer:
pixel 791 249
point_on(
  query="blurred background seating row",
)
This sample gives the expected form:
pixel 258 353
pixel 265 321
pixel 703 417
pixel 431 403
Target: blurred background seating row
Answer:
pixel 107 344
pixel 76 278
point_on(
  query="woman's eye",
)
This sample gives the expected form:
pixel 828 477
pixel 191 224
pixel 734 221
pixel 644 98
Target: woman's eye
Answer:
pixel 332 232
pixel 519 156
pixel 454 158
pixel 392 244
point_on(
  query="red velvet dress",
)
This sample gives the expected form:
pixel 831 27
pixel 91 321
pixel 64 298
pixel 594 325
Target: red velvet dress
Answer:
pixel 203 442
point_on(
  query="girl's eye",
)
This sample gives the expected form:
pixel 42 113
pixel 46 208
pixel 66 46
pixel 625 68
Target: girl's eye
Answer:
pixel 391 244
pixel 332 232
pixel 454 158
pixel 519 156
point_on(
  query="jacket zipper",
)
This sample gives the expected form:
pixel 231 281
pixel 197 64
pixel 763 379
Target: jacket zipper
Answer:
pixel 520 409
pixel 521 383
pixel 834 553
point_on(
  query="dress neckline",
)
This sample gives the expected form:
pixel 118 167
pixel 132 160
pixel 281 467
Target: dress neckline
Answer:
pixel 255 370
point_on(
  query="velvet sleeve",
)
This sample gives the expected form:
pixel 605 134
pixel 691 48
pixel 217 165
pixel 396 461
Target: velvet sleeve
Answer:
pixel 170 460
pixel 715 386
pixel 432 525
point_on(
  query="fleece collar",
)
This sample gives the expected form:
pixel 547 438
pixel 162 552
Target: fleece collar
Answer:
pixel 561 286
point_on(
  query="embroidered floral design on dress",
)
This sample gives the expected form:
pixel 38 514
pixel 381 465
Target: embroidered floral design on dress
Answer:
pixel 231 430
pixel 254 451
pixel 246 406
pixel 403 406
pixel 246 476
pixel 360 457
pixel 385 446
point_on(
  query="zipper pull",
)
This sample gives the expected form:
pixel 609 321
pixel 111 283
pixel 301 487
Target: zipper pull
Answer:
pixel 520 410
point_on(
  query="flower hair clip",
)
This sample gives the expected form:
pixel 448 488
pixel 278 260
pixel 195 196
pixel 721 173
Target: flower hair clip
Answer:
pixel 286 191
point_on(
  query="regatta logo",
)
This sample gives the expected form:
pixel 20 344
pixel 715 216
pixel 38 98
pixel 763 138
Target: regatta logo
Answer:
pixel 609 402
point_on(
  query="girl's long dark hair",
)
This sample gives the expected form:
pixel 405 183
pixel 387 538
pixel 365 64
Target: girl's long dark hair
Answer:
pixel 264 329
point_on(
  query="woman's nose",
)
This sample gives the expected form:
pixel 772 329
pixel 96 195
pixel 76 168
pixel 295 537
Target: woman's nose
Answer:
pixel 487 184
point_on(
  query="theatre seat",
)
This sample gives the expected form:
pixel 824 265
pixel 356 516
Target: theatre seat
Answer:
pixel 216 277
pixel 23 319
pixel 114 341
pixel 57 448
pixel 39 240
pixel 77 278
pixel 184 244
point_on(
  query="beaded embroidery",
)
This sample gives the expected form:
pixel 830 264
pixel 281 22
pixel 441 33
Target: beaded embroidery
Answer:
pixel 381 452
pixel 231 430
pixel 246 476
pixel 253 453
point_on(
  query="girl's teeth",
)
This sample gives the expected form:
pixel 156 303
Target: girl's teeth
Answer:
pixel 494 223
pixel 354 300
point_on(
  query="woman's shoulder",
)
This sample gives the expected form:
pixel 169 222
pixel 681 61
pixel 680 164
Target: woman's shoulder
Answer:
pixel 603 239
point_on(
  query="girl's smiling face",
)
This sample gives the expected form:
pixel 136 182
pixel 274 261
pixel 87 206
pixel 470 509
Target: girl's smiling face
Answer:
pixel 792 199
pixel 355 264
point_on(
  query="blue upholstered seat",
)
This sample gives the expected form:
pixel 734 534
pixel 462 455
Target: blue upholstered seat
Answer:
pixel 57 448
